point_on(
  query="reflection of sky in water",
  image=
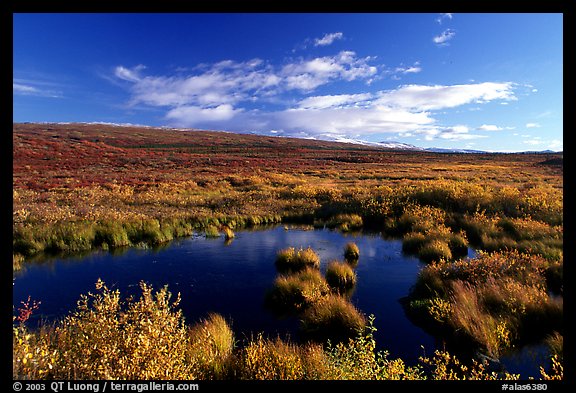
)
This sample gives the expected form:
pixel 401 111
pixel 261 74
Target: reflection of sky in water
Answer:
pixel 231 279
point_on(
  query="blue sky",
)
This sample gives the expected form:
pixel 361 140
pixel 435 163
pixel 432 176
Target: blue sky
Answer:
pixel 480 81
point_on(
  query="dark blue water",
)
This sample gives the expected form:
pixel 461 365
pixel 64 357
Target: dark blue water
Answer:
pixel 232 279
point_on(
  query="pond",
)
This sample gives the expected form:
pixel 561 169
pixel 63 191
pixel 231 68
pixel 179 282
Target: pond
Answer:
pixel 232 278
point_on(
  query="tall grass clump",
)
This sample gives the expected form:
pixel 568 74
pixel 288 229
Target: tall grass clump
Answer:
pixel 435 250
pixel 493 302
pixel 264 359
pixel 351 253
pixel 290 260
pixel 332 318
pixel 211 231
pixel 228 233
pixel 17 261
pixel 340 277
pixel 111 234
pixel 211 347
pixel 294 292
pixel 470 316
pixel 146 231
pixel 345 222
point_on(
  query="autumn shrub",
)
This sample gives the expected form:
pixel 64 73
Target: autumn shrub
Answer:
pixel 556 370
pixel 358 359
pixel 544 203
pixel 332 318
pixel 340 277
pixel 146 339
pixel 445 366
pixel 294 292
pixel 290 260
pixel 34 355
pixel 420 218
pixel 351 253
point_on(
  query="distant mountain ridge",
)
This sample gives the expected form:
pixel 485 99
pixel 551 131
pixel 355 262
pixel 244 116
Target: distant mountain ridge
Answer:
pixel 328 138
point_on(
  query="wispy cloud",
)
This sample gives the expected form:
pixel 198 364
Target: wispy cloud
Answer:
pixel 127 74
pixel 542 143
pixel 443 17
pixel 335 101
pixel 34 88
pixel 413 69
pixel 230 82
pixel 532 125
pixel 328 39
pixel 443 38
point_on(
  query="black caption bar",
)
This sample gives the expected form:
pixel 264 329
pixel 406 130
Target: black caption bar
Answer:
pixel 104 386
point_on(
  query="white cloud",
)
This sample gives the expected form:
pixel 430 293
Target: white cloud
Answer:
pixel 192 115
pixel 415 68
pixel 130 75
pixel 230 82
pixel 556 144
pixel 552 144
pixel 422 97
pixel 534 141
pixel 351 120
pixel 334 101
pixel 307 75
pixel 226 96
pixel 532 125
pixel 328 39
pixel 34 88
pixel 441 18
pixel 489 127
pixel 23 89
pixel 444 37
pixel 453 133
